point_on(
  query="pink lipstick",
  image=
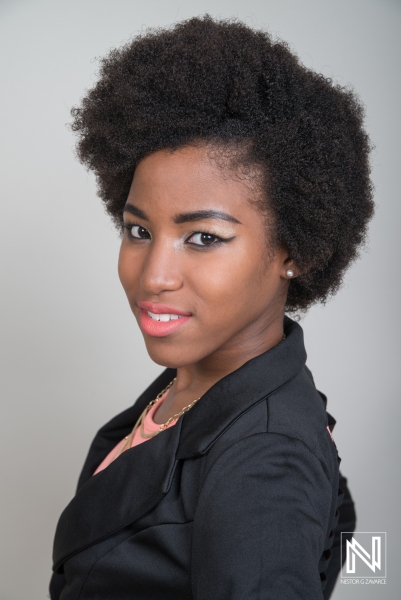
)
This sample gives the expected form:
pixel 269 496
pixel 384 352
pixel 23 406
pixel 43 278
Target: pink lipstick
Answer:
pixel 159 320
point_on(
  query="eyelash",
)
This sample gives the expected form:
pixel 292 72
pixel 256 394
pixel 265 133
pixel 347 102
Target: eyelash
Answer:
pixel 218 242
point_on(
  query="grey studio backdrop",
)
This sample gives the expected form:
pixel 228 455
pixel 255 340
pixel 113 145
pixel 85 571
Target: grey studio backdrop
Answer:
pixel 70 346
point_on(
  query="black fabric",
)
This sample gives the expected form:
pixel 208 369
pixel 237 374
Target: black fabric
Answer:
pixel 242 498
pixel 346 523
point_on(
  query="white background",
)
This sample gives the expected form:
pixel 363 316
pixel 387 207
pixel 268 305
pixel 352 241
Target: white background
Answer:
pixel 71 353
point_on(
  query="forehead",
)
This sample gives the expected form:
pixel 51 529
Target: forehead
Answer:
pixel 188 179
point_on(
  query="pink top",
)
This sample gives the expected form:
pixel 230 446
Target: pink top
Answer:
pixel 149 427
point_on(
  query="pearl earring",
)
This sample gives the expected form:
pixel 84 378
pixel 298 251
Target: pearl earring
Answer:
pixel 290 273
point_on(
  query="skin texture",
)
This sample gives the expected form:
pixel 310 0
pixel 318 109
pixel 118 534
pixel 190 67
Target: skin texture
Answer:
pixel 235 290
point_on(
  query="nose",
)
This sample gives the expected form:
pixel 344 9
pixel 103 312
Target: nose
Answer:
pixel 161 268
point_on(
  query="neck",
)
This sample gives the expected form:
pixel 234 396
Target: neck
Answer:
pixel 194 380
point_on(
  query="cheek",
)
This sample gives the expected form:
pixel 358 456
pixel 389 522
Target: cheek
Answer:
pixel 128 268
pixel 227 283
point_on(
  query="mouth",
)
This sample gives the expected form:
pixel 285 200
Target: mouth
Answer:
pixel 163 317
pixel 159 320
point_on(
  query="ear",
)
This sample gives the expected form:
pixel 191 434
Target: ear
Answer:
pixel 289 269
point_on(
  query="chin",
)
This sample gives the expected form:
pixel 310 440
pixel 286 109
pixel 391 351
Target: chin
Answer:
pixel 166 355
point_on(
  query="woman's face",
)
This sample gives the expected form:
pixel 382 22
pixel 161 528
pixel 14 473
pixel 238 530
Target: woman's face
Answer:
pixel 194 261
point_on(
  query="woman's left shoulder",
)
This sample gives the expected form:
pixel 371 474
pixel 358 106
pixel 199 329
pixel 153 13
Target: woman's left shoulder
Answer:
pixel 298 410
pixel 295 412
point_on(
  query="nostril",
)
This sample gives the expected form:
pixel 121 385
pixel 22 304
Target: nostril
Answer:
pixel 158 278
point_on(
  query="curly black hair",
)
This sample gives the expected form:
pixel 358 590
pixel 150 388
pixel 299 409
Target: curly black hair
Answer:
pixel 221 82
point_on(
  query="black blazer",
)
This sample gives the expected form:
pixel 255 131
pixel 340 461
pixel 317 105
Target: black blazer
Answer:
pixel 238 500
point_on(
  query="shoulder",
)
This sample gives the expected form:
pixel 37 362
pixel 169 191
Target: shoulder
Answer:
pixel 279 448
pixel 285 432
pixel 296 411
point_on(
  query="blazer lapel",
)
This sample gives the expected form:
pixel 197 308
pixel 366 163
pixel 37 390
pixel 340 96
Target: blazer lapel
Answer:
pixel 118 495
pixel 120 426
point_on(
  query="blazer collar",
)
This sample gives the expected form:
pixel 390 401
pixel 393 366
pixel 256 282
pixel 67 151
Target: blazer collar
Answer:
pixel 234 394
pixel 139 479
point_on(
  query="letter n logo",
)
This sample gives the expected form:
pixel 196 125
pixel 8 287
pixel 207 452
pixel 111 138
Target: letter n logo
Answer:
pixel 365 554
pixel 373 559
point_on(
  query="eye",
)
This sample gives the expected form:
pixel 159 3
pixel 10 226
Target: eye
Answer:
pixel 137 232
pixel 204 239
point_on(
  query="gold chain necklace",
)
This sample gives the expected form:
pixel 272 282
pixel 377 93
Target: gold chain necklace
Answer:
pixel 162 427
pixel 128 439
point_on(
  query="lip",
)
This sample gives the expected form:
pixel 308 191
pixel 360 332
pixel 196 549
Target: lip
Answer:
pixel 160 328
pixel 159 309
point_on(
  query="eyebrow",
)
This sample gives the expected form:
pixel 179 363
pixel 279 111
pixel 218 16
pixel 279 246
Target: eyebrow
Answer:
pixel 134 210
pixel 197 215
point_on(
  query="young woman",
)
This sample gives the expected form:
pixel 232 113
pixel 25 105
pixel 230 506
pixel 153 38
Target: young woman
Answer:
pixel 240 182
